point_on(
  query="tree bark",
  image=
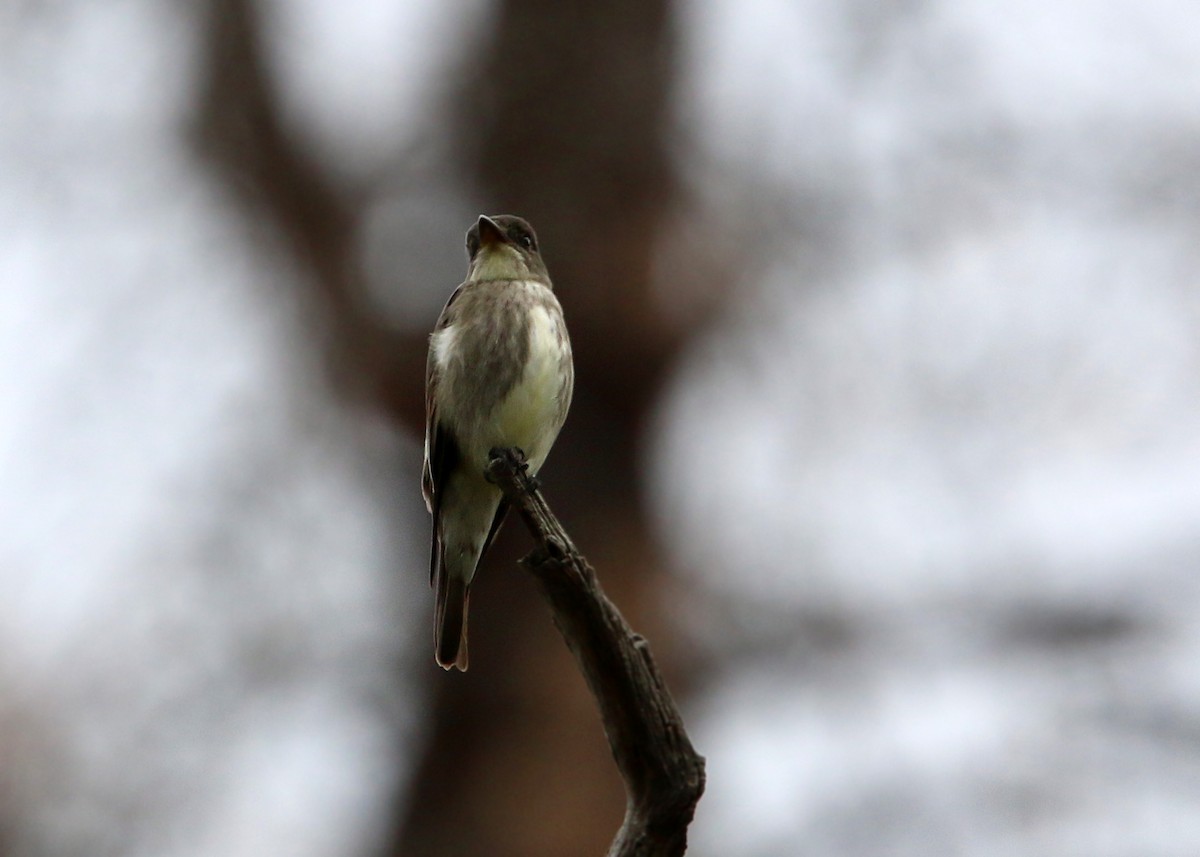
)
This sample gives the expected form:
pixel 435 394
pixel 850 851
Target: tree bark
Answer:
pixel 663 774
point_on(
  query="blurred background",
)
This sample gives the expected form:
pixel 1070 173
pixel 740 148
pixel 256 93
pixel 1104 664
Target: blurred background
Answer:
pixel 886 432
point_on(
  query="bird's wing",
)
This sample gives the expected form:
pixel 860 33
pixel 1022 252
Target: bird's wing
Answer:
pixel 441 448
pixel 432 473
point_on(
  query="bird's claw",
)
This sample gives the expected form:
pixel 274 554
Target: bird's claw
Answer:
pixel 523 465
pixel 517 453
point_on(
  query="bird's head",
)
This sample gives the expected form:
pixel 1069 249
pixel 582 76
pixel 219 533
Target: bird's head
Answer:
pixel 504 247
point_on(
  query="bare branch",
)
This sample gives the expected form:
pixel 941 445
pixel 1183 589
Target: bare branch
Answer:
pixel 663 774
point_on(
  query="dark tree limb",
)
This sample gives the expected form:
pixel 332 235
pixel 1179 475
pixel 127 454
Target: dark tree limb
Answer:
pixel 241 132
pixel 663 774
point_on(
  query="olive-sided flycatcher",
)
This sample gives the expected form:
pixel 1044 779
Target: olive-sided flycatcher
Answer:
pixel 499 374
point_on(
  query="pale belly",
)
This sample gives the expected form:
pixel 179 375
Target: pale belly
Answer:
pixel 531 415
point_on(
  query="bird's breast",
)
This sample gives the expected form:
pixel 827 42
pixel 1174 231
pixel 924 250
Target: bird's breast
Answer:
pixel 532 413
pixel 506 372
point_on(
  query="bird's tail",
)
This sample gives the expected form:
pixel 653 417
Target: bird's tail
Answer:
pixel 453 596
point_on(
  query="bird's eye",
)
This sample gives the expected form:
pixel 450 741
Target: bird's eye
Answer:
pixel 526 240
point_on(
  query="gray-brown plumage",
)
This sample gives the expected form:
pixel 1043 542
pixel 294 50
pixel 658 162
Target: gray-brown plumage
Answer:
pixel 499 374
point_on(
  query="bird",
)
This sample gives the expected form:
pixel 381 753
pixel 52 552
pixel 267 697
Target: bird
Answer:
pixel 499 374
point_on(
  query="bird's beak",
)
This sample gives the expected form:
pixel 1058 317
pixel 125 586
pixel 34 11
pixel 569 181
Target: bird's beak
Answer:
pixel 489 231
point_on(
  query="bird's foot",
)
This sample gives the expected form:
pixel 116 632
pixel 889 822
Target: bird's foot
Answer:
pixel 515 451
pixel 518 456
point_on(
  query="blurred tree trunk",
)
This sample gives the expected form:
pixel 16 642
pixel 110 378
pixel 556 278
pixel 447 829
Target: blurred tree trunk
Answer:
pixel 564 119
